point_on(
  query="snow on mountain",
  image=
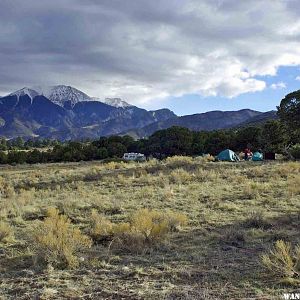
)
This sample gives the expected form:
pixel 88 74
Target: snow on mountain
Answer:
pixel 116 102
pixel 59 94
pixel 25 91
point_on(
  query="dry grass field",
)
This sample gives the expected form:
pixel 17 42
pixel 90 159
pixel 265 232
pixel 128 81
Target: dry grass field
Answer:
pixel 179 229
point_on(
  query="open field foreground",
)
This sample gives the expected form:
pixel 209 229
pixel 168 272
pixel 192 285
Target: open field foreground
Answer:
pixel 235 212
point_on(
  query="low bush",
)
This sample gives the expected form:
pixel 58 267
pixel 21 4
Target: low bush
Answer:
pixel 283 261
pixel 180 176
pixel 101 227
pixel 176 220
pixel 57 242
pixel 150 224
pixel 114 164
pixel 233 236
pixel 145 229
pixel 257 219
pixel 180 161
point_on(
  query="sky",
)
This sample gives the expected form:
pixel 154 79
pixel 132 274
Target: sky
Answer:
pixel 187 55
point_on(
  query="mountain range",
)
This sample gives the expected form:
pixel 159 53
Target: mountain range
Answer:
pixel 64 112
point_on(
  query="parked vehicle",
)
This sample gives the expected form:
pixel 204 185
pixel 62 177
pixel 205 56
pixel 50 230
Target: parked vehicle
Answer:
pixel 134 156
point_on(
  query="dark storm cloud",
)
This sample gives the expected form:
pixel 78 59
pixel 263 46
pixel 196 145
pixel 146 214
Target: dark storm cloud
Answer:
pixel 140 49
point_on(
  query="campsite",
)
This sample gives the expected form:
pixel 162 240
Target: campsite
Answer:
pixel 180 214
pixel 226 216
pixel 149 150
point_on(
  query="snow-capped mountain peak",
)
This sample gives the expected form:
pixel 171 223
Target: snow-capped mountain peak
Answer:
pixel 25 91
pixel 116 102
pixel 59 94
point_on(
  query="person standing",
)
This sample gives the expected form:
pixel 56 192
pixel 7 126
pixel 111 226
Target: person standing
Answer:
pixel 247 153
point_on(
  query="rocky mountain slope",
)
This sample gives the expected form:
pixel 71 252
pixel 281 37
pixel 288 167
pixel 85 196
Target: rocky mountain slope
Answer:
pixel 64 112
pixel 212 120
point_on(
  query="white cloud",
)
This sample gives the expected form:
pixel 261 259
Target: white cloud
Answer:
pixel 278 85
pixel 297 78
pixel 144 50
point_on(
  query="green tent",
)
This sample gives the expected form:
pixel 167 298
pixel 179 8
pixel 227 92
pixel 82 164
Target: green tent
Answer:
pixel 257 156
pixel 227 155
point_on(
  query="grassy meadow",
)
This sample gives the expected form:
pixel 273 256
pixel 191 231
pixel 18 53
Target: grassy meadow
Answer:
pixel 224 217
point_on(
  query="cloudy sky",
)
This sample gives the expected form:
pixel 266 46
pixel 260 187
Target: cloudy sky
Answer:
pixel 188 55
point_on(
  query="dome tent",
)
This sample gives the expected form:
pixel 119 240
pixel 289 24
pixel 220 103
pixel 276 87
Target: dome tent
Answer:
pixel 257 156
pixel 227 155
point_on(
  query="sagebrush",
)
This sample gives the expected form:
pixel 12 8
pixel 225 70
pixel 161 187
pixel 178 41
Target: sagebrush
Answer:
pixel 283 261
pixel 145 229
pixel 58 242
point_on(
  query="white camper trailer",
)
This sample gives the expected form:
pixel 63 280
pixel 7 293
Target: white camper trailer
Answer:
pixel 134 156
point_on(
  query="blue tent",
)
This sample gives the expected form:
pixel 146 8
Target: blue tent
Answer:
pixel 227 155
pixel 257 156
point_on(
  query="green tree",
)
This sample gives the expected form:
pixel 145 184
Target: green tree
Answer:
pixel 116 149
pixel 17 157
pixel 34 157
pixel 19 143
pixel 127 141
pixel 102 153
pixel 217 141
pixel 199 141
pixel 248 137
pixel 172 141
pixel 90 152
pixel 3 157
pixel 289 114
pixel 273 136
pixel 3 144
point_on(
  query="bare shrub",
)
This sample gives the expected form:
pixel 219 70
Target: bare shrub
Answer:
pixel 139 173
pixel 256 172
pixel 101 227
pixel 286 169
pixel 206 158
pixel 57 242
pixel 179 161
pixel 150 224
pixel 176 220
pixel 283 261
pixel 114 165
pixel 145 229
pixel 254 190
pixel 6 188
pixel 167 193
pixel 257 219
pixel 6 232
pixel 233 236
pixel 201 174
pixel 180 176
pixel 293 185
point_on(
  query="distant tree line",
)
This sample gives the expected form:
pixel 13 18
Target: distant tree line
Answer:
pixel 20 144
pixel 163 143
pixel 272 136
